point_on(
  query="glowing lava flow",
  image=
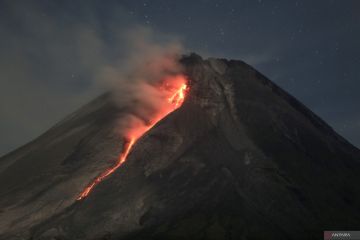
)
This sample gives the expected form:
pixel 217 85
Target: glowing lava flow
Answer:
pixel 175 99
pixel 178 97
pixel 103 175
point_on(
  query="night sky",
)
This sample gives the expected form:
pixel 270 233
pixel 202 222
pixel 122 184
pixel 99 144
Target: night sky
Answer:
pixel 50 51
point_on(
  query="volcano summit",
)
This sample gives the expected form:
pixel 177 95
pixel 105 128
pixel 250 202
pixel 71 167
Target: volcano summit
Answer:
pixel 239 159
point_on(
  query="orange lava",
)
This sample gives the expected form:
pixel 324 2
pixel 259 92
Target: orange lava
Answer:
pixel 175 89
pixel 178 97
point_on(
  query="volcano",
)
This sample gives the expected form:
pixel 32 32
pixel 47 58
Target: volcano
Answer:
pixel 239 159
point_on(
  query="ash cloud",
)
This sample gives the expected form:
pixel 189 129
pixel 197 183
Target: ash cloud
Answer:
pixel 137 80
pixel 59 56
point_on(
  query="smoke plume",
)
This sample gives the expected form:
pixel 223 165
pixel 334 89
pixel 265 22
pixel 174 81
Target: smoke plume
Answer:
pixel 144 79
pixel 57 57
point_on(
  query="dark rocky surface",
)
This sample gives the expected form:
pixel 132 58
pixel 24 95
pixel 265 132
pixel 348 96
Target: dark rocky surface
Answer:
pixel 241 159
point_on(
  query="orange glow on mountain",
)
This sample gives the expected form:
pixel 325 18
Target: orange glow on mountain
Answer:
pixel 107 172
pixel 173 90
pixel 178 97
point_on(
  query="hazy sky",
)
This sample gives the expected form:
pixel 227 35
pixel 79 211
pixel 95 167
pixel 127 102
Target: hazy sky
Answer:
pixel 51 52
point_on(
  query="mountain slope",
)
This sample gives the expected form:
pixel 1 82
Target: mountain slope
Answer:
pixel 241 159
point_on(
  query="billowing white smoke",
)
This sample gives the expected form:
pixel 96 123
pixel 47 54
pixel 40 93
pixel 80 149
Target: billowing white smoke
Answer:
pixel 144 79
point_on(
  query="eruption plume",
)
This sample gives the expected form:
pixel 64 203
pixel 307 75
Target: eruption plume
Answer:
pixel 150 84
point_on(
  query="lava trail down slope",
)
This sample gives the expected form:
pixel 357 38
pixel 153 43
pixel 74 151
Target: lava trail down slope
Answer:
pixel 240 159
pixel 175 99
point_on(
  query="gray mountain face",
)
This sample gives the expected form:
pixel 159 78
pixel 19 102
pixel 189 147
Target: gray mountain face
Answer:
pixel 241 159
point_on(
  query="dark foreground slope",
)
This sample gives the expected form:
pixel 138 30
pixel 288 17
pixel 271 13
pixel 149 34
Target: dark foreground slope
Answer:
pixel 241 159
